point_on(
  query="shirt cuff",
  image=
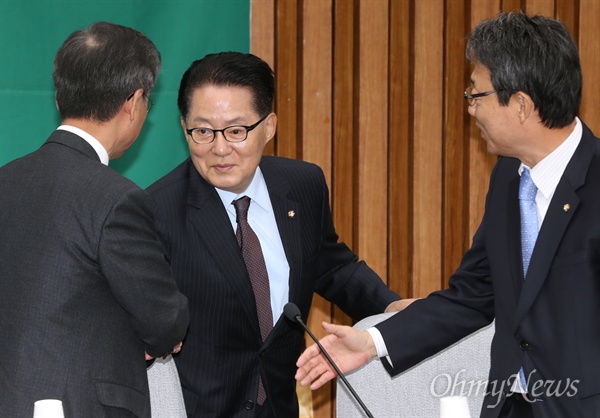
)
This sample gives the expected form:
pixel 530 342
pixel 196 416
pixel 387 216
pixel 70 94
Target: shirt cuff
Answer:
pixel 378 341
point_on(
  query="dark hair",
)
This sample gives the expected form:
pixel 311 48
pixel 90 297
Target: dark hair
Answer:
pixel 535 55
pixel 98 68
pixel 230 69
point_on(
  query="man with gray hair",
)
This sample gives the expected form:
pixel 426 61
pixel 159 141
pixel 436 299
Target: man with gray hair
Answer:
pixel 86 291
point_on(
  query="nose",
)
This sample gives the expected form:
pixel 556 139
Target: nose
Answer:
pixel 471 109
pixel 220 145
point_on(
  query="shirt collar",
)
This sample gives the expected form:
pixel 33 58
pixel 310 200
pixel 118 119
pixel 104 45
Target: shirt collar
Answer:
pixel 102 154
pixel 257 191
pixel 547 173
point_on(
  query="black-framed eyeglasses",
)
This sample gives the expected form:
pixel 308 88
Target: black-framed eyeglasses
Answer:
pixel 149 101
pixel 234 133
pixel 471 98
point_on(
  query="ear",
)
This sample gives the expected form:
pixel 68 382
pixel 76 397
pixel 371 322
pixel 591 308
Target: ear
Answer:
pixel 184 127
pixel 270 126
pixel 525 106
pixel 131 105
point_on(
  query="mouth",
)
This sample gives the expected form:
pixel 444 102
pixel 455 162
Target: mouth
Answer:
pixel 222 167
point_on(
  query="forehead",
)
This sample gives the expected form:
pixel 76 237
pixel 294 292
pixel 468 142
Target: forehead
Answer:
pixel 212 95
pixel 480 75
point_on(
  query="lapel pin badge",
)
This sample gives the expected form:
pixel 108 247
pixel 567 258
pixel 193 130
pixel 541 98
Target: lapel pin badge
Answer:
pixel 291 214
pixel 566 207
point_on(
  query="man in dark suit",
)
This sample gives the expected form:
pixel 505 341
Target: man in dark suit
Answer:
pixel 534 265
pixel 231 367
pixel 86 291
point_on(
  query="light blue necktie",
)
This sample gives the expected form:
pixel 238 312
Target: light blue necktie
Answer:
pixel 529 217
pixel 529 228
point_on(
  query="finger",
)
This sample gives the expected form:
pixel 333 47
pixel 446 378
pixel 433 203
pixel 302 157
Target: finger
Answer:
pixel 308 354
pixel 306 368
pixel 335 330
pixel 318 375
pixel 315 371
pixel 324 378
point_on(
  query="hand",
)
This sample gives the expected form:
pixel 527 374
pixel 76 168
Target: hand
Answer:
pixel 177 348
pixel 399 305
pixel 349 348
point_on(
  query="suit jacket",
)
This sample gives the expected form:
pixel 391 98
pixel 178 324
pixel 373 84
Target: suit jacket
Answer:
pixel 546 323
pixel 223 354
pixel 85 287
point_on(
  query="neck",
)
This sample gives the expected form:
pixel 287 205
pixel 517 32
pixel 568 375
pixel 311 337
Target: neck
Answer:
pixel 103 132
pixel 544 142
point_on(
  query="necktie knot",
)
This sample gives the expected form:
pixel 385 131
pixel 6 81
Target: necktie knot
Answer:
pixel 241 208
pixel 527 188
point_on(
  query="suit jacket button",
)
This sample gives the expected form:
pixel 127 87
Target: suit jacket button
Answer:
pixel 249 405
pixel 524 345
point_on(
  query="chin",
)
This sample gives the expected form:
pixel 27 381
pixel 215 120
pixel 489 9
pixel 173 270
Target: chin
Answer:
pixel 225 185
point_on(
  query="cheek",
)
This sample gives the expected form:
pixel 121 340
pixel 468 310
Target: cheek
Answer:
pixel 250 153
pixel 198 156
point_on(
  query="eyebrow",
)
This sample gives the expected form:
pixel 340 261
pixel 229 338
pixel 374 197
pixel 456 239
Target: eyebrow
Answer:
pixel 230 122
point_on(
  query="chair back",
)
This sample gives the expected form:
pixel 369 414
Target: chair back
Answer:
pixel 459 370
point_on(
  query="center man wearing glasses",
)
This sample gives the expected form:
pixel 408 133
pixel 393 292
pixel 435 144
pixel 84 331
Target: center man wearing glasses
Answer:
pixel 240 351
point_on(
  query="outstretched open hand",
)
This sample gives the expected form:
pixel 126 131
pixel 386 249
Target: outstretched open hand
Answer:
pixel 349 349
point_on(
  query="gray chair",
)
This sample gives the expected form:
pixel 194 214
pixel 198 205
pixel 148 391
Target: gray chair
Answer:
pixel 460 370
pixel 166 399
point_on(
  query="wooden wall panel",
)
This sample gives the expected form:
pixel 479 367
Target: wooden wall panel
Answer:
pixel 455 213
pixel 262 39
pixel 568 12
pixel 541 7
pixel 372 96
pixel 315 119
pixel 316 85
pixel 589 42
pixel 287 75
pixel 400 159
pixel 372 91
pixel 344 173
pixel 427 155
pixel 480 163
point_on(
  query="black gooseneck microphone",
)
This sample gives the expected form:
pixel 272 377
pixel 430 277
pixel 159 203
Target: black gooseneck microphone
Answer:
pixel 292 313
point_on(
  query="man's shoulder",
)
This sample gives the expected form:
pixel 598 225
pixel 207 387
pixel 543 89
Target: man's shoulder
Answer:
pixel 173 180
pixel 283 166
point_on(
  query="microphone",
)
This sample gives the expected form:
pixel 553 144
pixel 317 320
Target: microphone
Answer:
pixel 292 313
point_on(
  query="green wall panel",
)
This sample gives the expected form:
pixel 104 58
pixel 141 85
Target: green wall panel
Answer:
pixel 32 31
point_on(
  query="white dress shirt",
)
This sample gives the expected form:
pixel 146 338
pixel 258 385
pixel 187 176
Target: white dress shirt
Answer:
pixel 262 220
pixel 102 154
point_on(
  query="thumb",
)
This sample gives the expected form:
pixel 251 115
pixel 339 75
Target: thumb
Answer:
pixel 336 330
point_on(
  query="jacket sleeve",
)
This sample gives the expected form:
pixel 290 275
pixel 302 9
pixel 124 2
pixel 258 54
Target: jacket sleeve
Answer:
pixel 131 258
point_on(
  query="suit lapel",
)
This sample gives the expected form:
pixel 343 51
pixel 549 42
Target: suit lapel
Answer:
pixel 555 223
pixel 209 218
pixel 288 216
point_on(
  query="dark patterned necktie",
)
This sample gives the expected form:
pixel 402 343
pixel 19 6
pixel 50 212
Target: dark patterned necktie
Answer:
pixel 257 270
